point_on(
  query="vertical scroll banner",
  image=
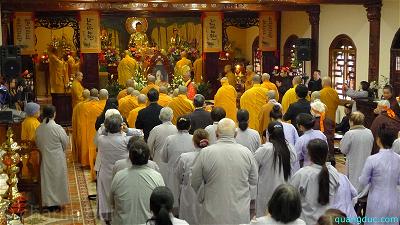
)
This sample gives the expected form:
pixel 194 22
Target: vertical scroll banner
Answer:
pixel 268 31
pixel 90 32
pixel 24 32
pixel 212 32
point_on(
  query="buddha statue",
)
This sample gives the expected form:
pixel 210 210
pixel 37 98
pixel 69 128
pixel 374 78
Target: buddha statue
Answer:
pixel 175 39
pixel 138 39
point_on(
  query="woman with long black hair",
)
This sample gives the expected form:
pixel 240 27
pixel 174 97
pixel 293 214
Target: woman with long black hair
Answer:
pixel 317 183
pixel 275 159
pixel 246 136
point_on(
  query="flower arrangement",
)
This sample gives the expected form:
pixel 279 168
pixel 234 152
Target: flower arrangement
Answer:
pixel 110 56
pixel 192 52
pixel 68 85
pixel 61 44
pixel 177 81
pixel 140 79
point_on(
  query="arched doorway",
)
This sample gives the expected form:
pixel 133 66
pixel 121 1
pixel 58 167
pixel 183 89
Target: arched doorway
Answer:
pixel 395 63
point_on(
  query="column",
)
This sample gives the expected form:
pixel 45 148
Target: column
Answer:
pixel 313 16
pixel 374 18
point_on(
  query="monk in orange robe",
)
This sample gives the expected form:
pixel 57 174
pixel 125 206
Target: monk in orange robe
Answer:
pixel 198 70
pixel 76 131
pixel 252 100
pixel 181 105
pixel 191 89
pixel 127 68
pixel 129 83
pixel 142 99
pixel 231 76
pixel 184 61
pixel 249 77
pixel 290 96
pixel 164 99
pixel 226 98
pixel 151 83
pixel 269 85
pixel 58 70
pixel 77 89
pixel 264 115
pixel 128 103
pixel 330 98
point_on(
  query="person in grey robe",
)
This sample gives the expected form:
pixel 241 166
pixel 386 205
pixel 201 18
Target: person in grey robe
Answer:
pixel 131 187
pixel 188 204
pixel 382 172
pixel 112 147
pixel 361 94
pixel 357 145
pixel 343 200
pixel 291 134
pixel 52 141
pixel 227 170
pixel 217 114
pixel 396 146
pixel 276 161
pixel 127 163
pixel 174 146
pixel 244 135
pixel 307 181
pixel 157 137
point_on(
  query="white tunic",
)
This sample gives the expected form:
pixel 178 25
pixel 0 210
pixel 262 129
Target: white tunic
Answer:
pixel 269 178
pixel 127 163
pixel 52 142
pixel 357 145
pixel 227 170
pixel 130 194
pixel 174 146
pixel 268 220
pixel 306 182
pixel 248 138
pixel 211 130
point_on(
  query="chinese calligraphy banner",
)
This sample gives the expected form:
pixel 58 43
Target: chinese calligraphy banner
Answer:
pixel 90 32
pixel 24 32
pixel 268 31
pixel 212 32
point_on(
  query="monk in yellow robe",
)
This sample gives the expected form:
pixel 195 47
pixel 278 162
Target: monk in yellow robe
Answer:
pixel 290 96
pixel 231 76
pixel 73 64
pixel 142 99
pixel 58 73
pixel 129 83
pixel 184 61
pixel 77 89
pixel 252 100
pixel 269 85
pixel 264 115
pixel 164 99
pixel 226 98
pixel 249 77
pixel 126 69
pixel 151 83
pixel 330 98
pixel 181 105
pixel 128 103
pixel 76 120
pixel 198 70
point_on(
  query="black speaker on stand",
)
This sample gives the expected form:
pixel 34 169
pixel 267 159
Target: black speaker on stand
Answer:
pixel 10 62
pixel 303 49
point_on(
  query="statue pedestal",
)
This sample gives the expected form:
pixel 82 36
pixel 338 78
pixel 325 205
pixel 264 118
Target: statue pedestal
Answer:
pixel 63 104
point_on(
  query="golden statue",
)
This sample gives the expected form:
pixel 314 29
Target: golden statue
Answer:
pixel 138 39
pixel 175 39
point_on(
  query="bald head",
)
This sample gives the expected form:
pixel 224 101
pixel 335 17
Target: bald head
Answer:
pixel 130 83
pixel 182 90
pixel 183 54
pixel 142 99
pixel 326 82
pixel 86 94
pixel 226 128
pixel 265 77
pixel 163 90
pixel 296 80
pixel 130 90
pixel 271 94
pixel 257 79
pixel 103 94
pixel 94 93
pixel 224 79
pixel 151 79
pixel 135 93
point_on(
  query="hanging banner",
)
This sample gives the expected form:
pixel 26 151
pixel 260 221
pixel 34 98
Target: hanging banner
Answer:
pixel 24 32
pixel 268 31
pixel 212 32
pixel 90 31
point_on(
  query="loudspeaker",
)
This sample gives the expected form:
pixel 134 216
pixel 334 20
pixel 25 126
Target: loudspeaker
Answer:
pixel 10 61
pixel 303 49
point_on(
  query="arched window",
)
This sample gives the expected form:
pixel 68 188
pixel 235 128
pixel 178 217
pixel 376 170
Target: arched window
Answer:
pixel 342 63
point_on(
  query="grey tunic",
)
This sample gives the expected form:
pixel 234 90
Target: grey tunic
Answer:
pixel 269 178
pixel 306 181
pixel 126 163
pixel 211 129
pixel 227 170
pixel 130 194
pixel 52 142
pixel 249 138
pixel 357 145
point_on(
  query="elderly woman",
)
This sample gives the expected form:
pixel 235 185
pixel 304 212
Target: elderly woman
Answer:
pixel 112 146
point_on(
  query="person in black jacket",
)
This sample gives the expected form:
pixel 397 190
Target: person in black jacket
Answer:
pixel 148 117
pixel 344 125
pixel 200 118
pixel 315 83
pixel 301 106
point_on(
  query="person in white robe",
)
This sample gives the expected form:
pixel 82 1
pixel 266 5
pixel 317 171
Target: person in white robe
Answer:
pixel 131 187
pixel 188 203
pixel 357 145
pixel 112 147
pixel 343 200
pixel 307 181
pixel 244 135
pixel 217 114
pixel 276 161
pixel 127 163
pixel 284 208
pixel 174 146
pixel 227 170
pixel 52 141
pixel 157 137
